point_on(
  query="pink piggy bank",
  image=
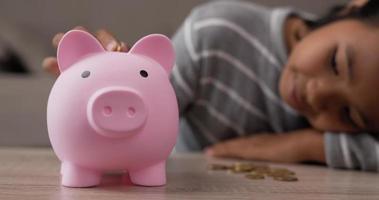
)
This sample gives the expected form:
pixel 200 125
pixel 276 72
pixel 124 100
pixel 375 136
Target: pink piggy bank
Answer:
pixel 113 110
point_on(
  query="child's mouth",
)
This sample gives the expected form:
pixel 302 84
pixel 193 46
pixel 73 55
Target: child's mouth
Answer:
pixel 295 96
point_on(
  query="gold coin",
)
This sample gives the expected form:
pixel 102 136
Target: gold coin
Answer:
pixel 218 167
pixel 253 171
pixel 259 173
pixel 243 167
pixel 281 172
pixel 263 170
pixel 286 178
pixel 118 47
pixel 254 176
pixel 234 171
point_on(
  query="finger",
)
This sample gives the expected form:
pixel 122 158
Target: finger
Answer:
pixel 109 41
pixel 120 47
pixel 231 148
pixel 56 39
pixel 80 28
pixel 124 47
pixel 50 65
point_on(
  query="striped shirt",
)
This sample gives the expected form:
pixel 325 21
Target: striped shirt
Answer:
pixel 230 55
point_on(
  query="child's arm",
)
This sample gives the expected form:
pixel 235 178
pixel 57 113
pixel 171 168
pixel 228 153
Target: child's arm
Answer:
pixel 297 146
pixel 337 150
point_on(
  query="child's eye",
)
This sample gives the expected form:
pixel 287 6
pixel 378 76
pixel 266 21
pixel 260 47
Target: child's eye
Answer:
pixel 333 62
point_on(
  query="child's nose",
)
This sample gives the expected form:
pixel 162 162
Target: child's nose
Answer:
pixel 321 95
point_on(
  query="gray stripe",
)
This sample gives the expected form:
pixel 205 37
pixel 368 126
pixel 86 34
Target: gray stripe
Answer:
pixel 220 117
pixel 231 92
pixel 249 73
pixel 252 40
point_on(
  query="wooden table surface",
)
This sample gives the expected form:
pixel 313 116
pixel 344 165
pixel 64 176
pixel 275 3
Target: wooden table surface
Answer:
pixel 33 173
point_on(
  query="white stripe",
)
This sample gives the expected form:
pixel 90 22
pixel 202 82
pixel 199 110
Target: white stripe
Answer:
pixel 250 74
pixel 220 116
pixel 235 96
pixel 243 33
pixel 239 65
pixel 240 100
pixel 180 81
pixel 188 41
pixel 345 151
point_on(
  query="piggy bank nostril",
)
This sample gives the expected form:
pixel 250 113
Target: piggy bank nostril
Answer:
pixel 131 112
pixel 107 110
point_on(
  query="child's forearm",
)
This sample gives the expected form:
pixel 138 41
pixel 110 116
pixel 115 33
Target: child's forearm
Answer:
pixel 297 146
pixel 312 144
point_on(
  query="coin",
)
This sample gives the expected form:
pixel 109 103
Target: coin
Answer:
pixel 243 167
pixel 256 172
pixel 263 170
pixel 254 176
pixel 218 167
pixel 280 172
pixel 118 47
pixel 234 171
pixel 286 178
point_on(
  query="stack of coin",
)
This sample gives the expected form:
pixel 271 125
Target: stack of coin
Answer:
pixel 254 171
pixel 281 174
pixel 255 175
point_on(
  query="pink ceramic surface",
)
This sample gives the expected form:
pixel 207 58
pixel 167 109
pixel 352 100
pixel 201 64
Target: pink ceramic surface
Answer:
pixel 113 110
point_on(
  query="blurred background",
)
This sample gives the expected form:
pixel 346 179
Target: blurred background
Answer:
pixel 26 30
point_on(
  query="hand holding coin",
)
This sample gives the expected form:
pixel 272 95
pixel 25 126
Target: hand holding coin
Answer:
pixel 109 42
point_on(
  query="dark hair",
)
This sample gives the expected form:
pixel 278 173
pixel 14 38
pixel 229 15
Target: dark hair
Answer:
pixel 368 13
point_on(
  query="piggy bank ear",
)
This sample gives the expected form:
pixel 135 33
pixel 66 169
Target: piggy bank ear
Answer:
pixel 157 47
pixel 75 45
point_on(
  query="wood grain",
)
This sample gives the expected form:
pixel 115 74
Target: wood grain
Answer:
pixel 33 174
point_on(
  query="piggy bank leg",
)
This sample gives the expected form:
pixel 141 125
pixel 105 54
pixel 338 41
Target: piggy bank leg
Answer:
pixel 154 175
pixel 76 176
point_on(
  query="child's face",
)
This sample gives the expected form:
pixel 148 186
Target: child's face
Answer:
pixel 332 77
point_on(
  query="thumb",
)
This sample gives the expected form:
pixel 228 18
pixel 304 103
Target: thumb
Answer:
pixel 50 65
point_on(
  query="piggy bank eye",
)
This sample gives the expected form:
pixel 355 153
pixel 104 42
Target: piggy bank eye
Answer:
pixel 143 73
pixel 86 74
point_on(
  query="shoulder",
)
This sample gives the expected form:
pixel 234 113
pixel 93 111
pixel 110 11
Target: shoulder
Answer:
pixel 236 11
pixel 227 20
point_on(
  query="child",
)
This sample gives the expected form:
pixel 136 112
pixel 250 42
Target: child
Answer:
pixel 275 85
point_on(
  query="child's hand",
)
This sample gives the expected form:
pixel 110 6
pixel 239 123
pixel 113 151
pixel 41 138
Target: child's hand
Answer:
pixel 106 39
pixel 297 146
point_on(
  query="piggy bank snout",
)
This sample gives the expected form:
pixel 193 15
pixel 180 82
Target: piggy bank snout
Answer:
pixel 116 111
